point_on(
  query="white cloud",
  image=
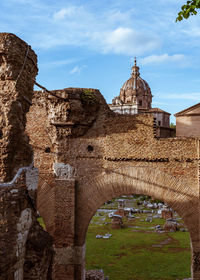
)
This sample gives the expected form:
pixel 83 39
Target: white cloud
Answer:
pixel 77 69
pixel 107 31
pixel 61 14
pixel 163 58
pixel 121 28
pixel 193 31
pixel 71 12
pixel 127 41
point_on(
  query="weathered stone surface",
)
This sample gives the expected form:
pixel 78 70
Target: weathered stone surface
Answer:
pixel 70 255
pixel 22 240
pixel 17 74
pixel 167 214
pixel 117 222
pixel 171 225
pixel 26 249
pixel 64 171
pixel 39 254
pixel 94 275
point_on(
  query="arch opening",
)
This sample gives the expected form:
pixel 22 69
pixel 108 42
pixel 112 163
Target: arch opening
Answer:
pixel 139 180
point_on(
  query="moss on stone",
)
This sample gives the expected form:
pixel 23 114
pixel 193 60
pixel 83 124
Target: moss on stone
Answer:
pixel 88 97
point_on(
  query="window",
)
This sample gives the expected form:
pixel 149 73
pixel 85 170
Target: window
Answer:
pixel 140 102
pixel 159 123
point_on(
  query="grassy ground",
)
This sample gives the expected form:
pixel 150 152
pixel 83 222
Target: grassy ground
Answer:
pixel 137 252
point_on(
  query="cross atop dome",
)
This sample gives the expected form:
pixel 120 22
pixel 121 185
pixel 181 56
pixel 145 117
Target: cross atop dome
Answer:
pixel 135 69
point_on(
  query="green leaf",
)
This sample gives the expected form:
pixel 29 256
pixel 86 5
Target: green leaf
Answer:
pixel 179 18
pixel 183 7
pixel 188 9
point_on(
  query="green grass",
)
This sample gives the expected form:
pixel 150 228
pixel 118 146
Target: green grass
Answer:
pixel 132 254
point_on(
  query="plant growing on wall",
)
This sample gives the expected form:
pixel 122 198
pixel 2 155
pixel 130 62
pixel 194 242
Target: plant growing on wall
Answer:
pixel 88 97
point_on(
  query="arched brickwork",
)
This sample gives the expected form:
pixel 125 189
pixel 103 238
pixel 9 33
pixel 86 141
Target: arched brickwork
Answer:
pixel 139 180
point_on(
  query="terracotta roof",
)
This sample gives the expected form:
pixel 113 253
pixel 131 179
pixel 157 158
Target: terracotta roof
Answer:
pixel 183 112
pixel 158 110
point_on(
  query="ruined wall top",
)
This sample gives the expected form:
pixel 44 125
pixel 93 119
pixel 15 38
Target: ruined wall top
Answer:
pixel 18 68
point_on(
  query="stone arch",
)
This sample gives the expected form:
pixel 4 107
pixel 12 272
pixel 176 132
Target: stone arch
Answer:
pixel 139 180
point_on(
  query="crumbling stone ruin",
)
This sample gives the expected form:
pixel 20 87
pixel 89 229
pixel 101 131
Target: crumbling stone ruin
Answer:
pixel 18 68
pixel 117 222
pixel 26 249
pixel 85 155
pixel 94 275
pixel 167 213
pixel 171 225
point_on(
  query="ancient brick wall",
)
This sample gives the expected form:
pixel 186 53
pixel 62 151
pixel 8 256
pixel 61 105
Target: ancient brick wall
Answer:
pixel 109 141
pixel 112 155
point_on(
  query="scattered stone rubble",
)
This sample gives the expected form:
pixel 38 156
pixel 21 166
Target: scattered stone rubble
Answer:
pixel 155 211
pixel 167 213
pixel 94 275
pixel 106 236
pixel 117 222
pixel 171 225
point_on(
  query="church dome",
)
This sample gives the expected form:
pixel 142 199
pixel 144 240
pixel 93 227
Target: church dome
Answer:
pixel 135 91
pixel 142 85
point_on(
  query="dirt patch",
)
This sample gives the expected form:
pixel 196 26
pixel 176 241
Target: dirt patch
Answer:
pixel 119 256
pixel 111 264
pixel 177 250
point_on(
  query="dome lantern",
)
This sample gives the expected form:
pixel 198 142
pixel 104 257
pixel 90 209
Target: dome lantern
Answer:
pixel 135 70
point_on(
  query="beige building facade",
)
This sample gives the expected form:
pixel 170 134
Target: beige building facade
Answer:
pixel 188 122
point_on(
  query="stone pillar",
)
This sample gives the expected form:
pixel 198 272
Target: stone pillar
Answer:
pixel 69 263
pixel 121 204
pixel 68 257
pixel 120 211
pixel 64 192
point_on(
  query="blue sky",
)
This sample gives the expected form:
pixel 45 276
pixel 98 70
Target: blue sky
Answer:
pixel 90 43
